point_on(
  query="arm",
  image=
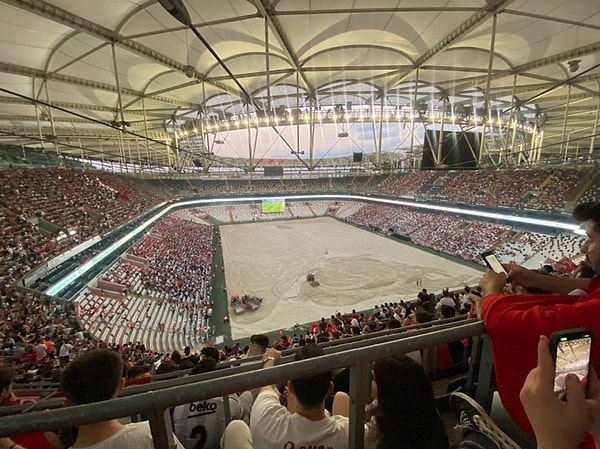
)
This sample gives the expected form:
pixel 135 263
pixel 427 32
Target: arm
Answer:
pixel 555 284
pixel 7 443
pixel 270 358
pixel 341 404
pixel 535 315
pixel 53 440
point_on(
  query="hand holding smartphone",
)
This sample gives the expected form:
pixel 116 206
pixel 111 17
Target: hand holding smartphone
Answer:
pixel 571 350
pixel 491 260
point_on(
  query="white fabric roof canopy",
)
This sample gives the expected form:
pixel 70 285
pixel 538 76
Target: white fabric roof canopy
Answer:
pixel 79 55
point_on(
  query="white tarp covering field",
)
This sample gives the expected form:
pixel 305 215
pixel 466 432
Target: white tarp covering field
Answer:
pixel 356 269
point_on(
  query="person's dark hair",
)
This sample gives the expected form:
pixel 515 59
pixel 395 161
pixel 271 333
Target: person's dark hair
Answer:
pixel 311 390
pixel 92 377
pixel 448 311
pixel 405 413
pixel 211 352
pixel 204 366
pixel 6 377
pixel 176 357
pixel 423 317
pixel 586 272
pixel 167 367
pixel 135 371
pixel 393 323
pixel 588 212
pixel 260 340
pixel 322 338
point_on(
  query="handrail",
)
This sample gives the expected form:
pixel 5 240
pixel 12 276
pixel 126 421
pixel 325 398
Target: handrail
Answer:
pixel 184 377
pixel 159 400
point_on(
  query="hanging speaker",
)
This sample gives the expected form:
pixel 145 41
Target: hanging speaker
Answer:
pixel 357 157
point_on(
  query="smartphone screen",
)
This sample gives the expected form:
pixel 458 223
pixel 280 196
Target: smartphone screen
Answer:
pixel 572 357
pixel 493 263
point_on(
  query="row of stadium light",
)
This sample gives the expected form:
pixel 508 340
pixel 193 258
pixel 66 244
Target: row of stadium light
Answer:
pixel 237 123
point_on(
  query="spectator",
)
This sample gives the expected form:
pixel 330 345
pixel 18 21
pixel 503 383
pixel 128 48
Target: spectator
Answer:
pixel 35 440
pixel 515 322
pixel 404 413
pixel 210 352
pixel 96 376
pixel 274 427
pixel 201 424
pixel 258 345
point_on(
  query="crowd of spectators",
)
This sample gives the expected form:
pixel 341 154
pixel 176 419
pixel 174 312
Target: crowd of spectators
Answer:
pixel 534 189
pixel 466 239
pixel 41 336
pixel 179 256
pixel 45 211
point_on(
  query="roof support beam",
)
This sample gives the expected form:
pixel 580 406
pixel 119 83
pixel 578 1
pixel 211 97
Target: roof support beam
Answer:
pixel 543 62
pixel 68 79
pixel 64 17
pixel 494 6
pixel 268 12
pixel 86 107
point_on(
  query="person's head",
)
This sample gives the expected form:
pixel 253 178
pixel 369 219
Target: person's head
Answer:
pixel 204 366
pixel 210 352
pixel 406 411
pixel 312 390
pixel 586 272
pixel 168 366
pixel 95 375
pixel 258 344
pixel 137 371
pixel 176 357
pixel 423 316
pixel 589 214
pixel 6 378
pixel 447 311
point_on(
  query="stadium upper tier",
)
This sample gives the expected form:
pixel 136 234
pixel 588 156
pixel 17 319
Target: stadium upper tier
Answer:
pixel 46 211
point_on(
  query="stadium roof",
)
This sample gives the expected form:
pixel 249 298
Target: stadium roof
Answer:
pixel 105 65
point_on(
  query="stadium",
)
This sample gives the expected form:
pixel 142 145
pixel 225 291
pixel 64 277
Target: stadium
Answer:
pixel 178 177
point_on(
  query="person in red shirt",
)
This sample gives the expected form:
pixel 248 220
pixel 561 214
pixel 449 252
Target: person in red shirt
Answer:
pixel 516 322
pixel 34 440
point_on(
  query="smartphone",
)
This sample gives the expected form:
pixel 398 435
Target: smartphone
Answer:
pixel 492 262
pixel 571 350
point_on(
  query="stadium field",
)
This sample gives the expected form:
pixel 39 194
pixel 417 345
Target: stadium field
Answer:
pixel 356 269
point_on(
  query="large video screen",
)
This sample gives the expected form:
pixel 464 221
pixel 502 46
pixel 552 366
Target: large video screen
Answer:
pixel 273 205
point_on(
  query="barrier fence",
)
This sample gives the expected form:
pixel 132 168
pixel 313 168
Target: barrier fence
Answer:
pixel 155 400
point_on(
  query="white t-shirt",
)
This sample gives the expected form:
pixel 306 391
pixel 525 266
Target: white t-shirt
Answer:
pixel 204 420
pixel 445 301
pixel 132 436
pixel 273 427
pixel 65 350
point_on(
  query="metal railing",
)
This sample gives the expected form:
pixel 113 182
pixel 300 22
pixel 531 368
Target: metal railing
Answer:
pixel 156 403
pixel 182 377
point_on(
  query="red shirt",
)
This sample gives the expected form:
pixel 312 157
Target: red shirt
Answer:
pixel 515 323
pixel 34 440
